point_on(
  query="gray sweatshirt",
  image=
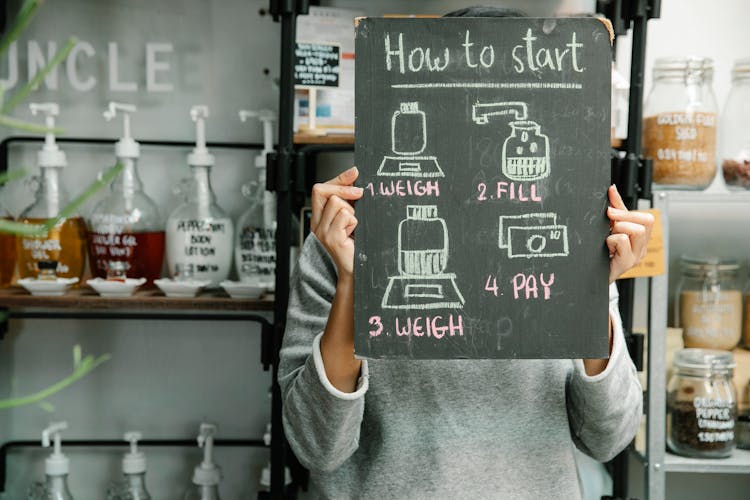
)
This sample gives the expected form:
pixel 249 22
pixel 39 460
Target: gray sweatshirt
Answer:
pixel 502 429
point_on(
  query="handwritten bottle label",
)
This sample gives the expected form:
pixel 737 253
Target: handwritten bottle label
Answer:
pixel 257 253
pixel 206 244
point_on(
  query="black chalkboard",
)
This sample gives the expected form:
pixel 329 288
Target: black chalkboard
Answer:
pixel 316 65
pixel 483 150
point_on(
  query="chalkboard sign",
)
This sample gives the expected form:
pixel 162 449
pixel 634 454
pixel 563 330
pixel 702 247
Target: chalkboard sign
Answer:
pixel 316 65
pixel 483 150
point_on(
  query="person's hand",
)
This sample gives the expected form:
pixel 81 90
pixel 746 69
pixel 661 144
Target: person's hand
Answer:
pixel 629 236
pixel 333 218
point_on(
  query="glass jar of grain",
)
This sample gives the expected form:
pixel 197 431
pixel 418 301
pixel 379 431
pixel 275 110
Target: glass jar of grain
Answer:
pixel 679 129
pixel 708 303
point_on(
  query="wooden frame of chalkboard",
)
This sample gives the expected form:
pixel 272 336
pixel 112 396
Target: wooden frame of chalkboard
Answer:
pixel 483 150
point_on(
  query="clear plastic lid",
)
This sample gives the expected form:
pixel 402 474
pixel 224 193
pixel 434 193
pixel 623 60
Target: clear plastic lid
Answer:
pixel 684 68
pixel 698 266
pixel 741 69
pixel 703 361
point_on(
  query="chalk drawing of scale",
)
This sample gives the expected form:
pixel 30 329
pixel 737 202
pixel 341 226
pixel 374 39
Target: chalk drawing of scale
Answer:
pixel 422 282
pixel 526 150
pixel 408 143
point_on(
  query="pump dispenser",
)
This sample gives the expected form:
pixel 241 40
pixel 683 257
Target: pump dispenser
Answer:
pixel 199 232
pixel 255 243
pixel 56 468
pixel 66 242
pixel 207 475
pixel 133 487
pixel 126 228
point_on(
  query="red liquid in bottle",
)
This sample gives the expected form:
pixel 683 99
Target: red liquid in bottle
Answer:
pixel 143 253
pixel 7 258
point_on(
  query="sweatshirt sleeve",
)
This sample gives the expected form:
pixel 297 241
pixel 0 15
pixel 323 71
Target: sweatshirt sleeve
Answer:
pixel 322 424
pixel 605 410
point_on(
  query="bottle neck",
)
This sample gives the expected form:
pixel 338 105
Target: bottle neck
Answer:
pixel 209 493
pixel 204 195
pixel 128 182
pixel 57 484
pixel 136 482
pixel 50 191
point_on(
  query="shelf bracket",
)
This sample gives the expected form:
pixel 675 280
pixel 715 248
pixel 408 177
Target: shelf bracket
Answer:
pixel 4 317
pixel 279 8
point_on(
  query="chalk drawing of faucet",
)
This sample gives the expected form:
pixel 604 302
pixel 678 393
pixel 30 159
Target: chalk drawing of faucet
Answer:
pixel 526 150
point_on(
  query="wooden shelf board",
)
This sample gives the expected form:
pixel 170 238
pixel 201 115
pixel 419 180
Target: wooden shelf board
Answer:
pixel 85 298
pixel 324 139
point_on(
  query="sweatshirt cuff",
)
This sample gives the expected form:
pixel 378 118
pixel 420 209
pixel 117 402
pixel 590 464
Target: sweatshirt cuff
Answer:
pixel 618 341
pixel 362 383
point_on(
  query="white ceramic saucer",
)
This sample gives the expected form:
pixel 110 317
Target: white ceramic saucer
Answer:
pixel 47 288
pixel 112 288
pixel 172 288
pixel 244 289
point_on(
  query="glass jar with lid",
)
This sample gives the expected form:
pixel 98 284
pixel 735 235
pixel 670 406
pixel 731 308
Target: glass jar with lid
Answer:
pixel 734 129
pixel 701 404
pixel 708 303
pixel 679 128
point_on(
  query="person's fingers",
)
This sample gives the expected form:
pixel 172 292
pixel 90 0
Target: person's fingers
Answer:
pixel 637 235
pixel 621 255
pixel 343 222
pixel 345 178
pixel 615 199
pixel 321 192
pixel 331 209
pixel 643 219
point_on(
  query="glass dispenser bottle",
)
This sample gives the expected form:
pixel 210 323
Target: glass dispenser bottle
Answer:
pixel 56 468
pixel 255 242
pixel 125 228
pixel 133 486
pixel 7 252
pixel 207 474
pixel 734 129
pixel 66 242
pixel 199 233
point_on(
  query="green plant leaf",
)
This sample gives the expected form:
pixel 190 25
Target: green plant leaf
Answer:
pixel 32 84
pixel 22 19
pixel 41 230
pixel 78 373
pixel 12 176
pixel 9 121
pixel 46 406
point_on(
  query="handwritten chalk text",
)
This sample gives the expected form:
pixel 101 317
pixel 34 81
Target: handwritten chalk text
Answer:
pixel 404 187
pixel 437 327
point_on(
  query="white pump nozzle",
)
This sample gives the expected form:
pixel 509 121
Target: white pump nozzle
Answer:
pixel 266 117
pixel 56 464
pixel 207 473
pixel 200 157
pixel 50 155
pixel 126 147
pixel 135 461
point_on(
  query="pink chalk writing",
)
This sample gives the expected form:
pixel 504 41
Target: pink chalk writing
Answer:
pixel 430 326
pixel 404 187
pixel 518 191
pixel 376 322
pixel 524 285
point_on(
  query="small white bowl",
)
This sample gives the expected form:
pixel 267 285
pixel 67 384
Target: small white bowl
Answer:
pixel 172 288
pixel 244 289
pixel 111 288
pixel 47 288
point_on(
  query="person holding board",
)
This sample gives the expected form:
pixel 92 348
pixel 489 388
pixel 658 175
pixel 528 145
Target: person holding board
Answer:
pixel 448 429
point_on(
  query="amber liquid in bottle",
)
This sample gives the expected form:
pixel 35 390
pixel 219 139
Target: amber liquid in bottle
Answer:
pixel 142 252
pixel 7 258
pixel 65 243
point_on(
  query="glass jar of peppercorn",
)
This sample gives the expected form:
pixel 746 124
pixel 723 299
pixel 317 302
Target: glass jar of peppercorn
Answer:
pixel 701 404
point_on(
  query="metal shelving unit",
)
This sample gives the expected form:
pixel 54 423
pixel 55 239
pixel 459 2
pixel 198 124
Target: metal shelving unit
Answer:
pixel 657 460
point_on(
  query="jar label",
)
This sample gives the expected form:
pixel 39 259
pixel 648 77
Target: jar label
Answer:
pixel 711 320
pixel 715 420
pixel 682 146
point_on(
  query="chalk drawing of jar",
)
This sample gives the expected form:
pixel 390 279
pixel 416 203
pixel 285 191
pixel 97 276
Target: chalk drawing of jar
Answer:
pixel 408 129
pixel 422 242
pixel 525 152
